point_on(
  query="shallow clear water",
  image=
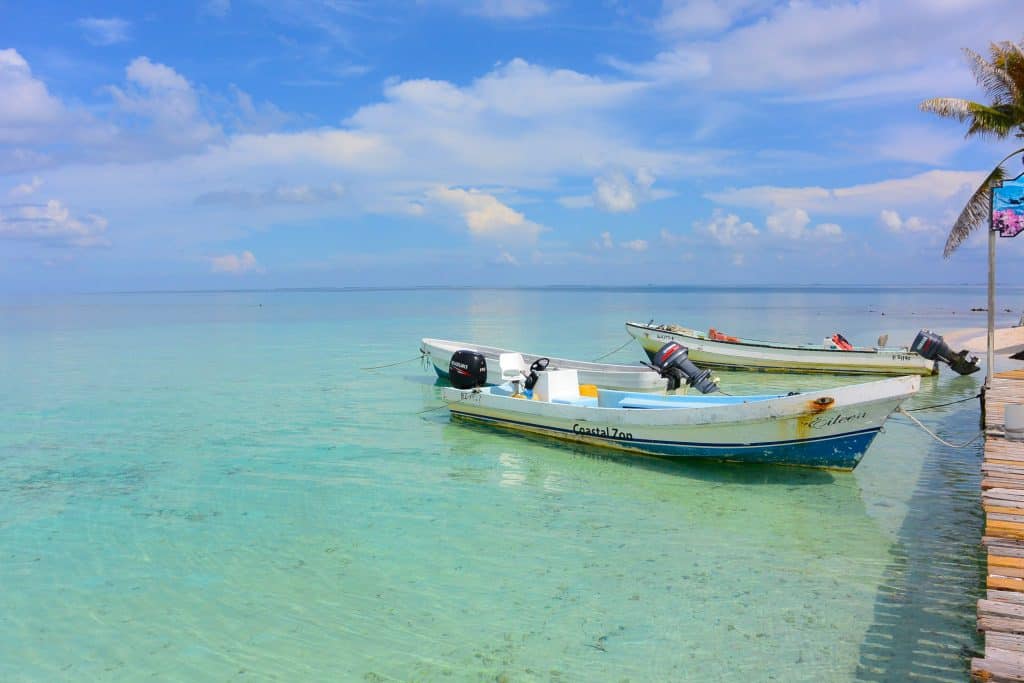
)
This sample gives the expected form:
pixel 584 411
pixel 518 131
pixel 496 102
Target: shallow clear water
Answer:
pixel 207 486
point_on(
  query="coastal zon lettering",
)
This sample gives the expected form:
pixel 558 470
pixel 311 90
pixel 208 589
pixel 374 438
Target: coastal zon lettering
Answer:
pixel 606 432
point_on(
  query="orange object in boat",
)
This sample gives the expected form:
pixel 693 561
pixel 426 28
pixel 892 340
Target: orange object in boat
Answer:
pixel 715 335
pixel 840 341
pixel 588 390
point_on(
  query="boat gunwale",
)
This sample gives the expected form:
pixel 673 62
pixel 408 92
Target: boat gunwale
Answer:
pixel 624 368
pixel 699 336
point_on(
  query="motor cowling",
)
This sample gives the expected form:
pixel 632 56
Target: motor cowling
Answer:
pixel 933 347
pixel 467 369
pixel 672 362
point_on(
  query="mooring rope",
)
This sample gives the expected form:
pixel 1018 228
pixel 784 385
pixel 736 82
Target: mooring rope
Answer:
pixel 628 342
pixel 940 405
pixel 935 436
pixel 389 365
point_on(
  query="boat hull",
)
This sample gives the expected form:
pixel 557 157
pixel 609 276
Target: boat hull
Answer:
pixel 766 357
pixel 830 429
pixel 604 375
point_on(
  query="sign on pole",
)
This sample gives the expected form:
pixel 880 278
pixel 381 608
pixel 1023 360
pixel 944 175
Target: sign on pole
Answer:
pixel 1008 207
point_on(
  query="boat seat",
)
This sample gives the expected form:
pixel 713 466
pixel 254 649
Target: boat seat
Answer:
pixel 554 385
pixel 512 366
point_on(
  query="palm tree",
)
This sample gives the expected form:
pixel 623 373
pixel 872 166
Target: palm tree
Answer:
pixel 1002 78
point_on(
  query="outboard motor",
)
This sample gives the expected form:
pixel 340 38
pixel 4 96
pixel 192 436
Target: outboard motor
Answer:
pixel 932 347
pixel 467 369
pixel 673 363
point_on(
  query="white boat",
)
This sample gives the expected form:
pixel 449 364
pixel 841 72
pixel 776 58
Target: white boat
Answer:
pixel 724 351
pixel 831 428
pixel 607 375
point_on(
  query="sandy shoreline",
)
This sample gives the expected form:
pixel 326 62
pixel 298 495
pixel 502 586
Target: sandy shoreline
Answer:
pixel 1008 340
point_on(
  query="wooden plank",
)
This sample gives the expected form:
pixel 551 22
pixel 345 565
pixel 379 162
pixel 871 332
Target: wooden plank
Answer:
pixel 1004 509
pixel 1004 583
pixel 1005 529
pixel 1003 483
pixel 1007 572
pixel 1009 374
pixel 1003 609
pixel 994 672
pixel 1007 657
pixel 1005 641
pixel 1006 596
pixel 1009 518
pixel 1004 561
pixel 1006 547
pixel 990 622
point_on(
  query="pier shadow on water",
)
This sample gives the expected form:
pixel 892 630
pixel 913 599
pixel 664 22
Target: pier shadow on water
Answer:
pixel 925 609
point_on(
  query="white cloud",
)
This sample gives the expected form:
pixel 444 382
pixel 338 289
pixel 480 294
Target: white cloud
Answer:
pixel 828 230
pixel 616 193
pixel 689 17
pixel 893 222
pixel 52 224
pixel 105 31
pixel 217 8
pixel 635 245
pixel 789 223
pixel 25 189
pixel 505 258
pixel 726 229
pixel 507 9
pixel 680 64
pixel 672 239
pixel 607 242
pixel 485 216
pixel 841 49
pixel 792 224
pixel 235 264
pixel 28 107
pixel 279 194
pixel 918 144
pixel 167 100
pixel 922 189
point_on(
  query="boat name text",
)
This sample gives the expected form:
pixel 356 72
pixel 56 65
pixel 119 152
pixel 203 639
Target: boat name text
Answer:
pixel 607 432
pixel 823 421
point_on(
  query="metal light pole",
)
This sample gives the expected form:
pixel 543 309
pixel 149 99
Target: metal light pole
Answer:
pixel 991 301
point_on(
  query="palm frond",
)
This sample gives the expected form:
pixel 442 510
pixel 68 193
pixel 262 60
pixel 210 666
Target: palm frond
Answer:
pixel 976 211
pixel 949 107
pixel 992 76
pixel 1012 61
pixel 995 121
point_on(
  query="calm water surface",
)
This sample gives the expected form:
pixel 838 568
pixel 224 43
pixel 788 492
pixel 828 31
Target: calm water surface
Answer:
pixel 208 486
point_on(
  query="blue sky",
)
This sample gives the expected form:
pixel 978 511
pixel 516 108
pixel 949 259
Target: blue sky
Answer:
pixel 238 143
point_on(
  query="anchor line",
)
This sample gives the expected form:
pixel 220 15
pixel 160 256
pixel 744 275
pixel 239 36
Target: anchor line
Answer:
pixel 940 405
pixel 628 342
pixel 390 365
pixel 936 436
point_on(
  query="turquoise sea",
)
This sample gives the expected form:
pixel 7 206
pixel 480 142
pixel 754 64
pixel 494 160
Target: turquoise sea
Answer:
pixel 207 487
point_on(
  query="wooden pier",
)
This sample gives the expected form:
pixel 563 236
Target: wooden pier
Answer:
pixel 1001 611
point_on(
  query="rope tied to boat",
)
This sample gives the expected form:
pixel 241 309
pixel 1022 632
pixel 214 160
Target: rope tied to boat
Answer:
pixel 903 411
pixel 391 365
pixel 949 403
pixel 628 341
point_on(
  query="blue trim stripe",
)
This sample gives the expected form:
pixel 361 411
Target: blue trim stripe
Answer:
pixel 842 451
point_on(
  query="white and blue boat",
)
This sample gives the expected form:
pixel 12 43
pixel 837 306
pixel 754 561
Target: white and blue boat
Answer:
pixel 608 375
pixel 830 428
